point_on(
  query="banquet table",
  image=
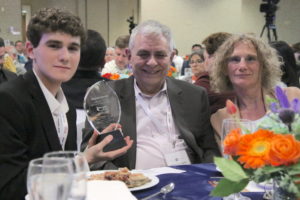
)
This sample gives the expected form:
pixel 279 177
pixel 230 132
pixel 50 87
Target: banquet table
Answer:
pixel 191 184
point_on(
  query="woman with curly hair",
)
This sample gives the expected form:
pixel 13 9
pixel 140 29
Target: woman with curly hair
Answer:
pixel 251 68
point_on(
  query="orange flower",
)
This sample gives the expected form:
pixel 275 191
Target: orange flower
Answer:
pixel 254 149
pixel 231 107
pixel 115 76
pixel 173 69
pixel 285 150
pixel 231 141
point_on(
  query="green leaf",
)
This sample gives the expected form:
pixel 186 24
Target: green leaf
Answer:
pixel 226 187
pixel 271 169
pixel 269 100
pixel 230 169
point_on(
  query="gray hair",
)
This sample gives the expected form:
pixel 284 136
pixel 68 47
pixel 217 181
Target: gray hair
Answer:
pixel 152 27
pixel 110 48
pixel 268 59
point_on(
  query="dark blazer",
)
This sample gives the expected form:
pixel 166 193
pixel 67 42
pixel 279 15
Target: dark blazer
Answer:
pixel 27 131
pixel 76 88
pixel 6 75
pixel 190 111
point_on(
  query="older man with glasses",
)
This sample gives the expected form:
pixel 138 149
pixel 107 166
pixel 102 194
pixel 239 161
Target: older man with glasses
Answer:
pixel 5 75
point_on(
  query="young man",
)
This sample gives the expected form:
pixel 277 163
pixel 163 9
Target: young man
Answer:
pixel 120 64
pixel 20 52
pixel 35 116
pixel 168 118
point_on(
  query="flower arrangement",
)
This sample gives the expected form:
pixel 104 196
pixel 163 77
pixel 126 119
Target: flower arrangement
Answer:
pixel 111 76
pixel 270 153
pixel 172 72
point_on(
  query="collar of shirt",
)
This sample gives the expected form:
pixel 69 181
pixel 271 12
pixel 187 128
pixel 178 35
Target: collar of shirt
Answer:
pixel 56 104
pixel 137 90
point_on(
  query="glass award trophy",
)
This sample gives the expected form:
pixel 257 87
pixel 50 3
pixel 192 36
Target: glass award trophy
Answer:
pixel 102 108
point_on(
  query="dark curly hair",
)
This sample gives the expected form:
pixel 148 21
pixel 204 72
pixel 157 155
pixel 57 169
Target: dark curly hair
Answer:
pixel 48 20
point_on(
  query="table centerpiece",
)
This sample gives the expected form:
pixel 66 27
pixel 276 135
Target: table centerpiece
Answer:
pixel 271 153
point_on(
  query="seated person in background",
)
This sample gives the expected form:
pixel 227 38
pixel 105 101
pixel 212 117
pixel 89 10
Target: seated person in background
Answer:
pixel 177 61
pixel 195 47
pixel 8 63
pixel 196 61
pixel 120 64
pixel 110 54
pixel 212 43
pixel 35 117
pixel 91 62
pixel 12 52
pixel 289 68
pixel 21 57
pixel 5 75
pixel 296 49
pixel 168 118
pixel 251 68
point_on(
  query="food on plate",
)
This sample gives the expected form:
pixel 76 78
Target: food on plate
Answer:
pixel 123 174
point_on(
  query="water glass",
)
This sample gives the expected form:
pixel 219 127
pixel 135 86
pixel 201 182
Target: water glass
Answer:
pixel 246 126
pixel 49 178
pixel 80 168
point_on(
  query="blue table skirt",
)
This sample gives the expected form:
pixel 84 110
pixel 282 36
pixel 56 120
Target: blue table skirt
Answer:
pixel 190 185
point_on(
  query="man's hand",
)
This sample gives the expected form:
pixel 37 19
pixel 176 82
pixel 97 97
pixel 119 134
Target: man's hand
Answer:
pixel 94 152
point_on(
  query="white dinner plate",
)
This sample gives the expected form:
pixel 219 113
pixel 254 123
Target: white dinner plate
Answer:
pixel 154 180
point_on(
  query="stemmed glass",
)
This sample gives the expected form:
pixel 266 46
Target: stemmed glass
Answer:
pixel 246 126
pixel 80 168
pixel 49 178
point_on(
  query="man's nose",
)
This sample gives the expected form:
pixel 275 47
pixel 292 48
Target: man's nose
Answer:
pixel 152 61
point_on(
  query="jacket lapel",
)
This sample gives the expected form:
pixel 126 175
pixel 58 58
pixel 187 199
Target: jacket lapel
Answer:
pixel 125 91
pixel 44 112
pixel 179 113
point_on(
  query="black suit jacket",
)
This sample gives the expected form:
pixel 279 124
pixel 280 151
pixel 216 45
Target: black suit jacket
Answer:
pixel 190 110
pixel 27 131
pixel 76 88
pixel 6 75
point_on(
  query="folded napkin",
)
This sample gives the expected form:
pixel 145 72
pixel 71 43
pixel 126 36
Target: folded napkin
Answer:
pixel 108 190
pixel 160 170
pixel 261 187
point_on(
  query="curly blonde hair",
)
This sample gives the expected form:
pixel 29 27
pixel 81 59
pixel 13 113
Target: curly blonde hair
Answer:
pixel 267 57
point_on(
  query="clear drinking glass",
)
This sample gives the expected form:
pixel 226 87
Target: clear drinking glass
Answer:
pixel 228 125
pixel 49 178
pixel 246 126
pixel 80 168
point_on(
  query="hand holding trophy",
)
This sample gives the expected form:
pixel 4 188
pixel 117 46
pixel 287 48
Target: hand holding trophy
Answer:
pixel 102 108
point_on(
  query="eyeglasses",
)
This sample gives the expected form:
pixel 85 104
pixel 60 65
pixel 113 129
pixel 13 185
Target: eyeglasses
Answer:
pixel 237 59
pixel 196 61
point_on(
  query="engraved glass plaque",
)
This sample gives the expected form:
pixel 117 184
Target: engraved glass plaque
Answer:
pixel 102 106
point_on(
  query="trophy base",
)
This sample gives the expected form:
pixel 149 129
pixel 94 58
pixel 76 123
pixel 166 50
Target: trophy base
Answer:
pixel 117 142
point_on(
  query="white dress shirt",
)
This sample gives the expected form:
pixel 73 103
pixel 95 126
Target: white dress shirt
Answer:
pixel 59 107
pixel 157 134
